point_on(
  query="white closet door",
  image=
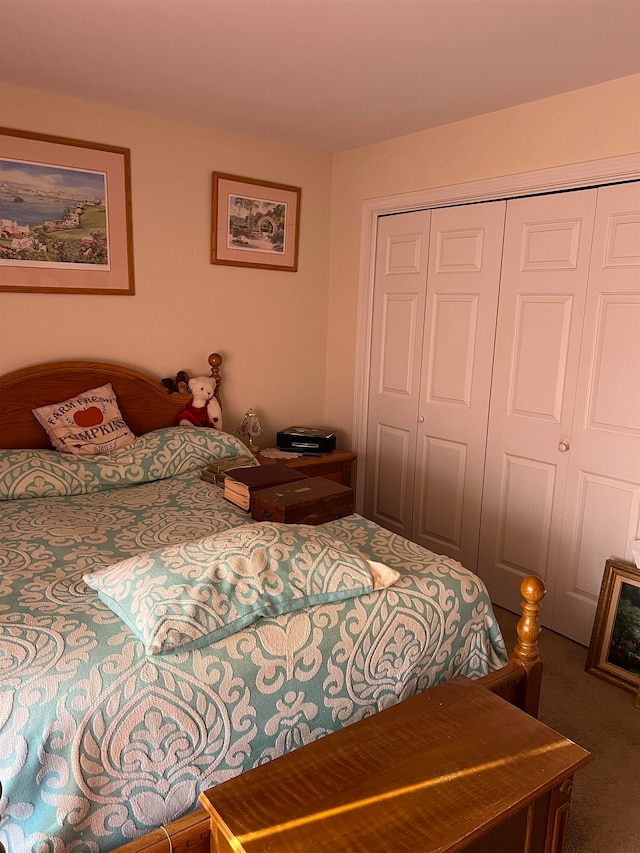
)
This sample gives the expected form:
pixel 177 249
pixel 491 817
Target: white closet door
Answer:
pixel 603 488
pixel 397 329
pixel 542 294
pixel 462 298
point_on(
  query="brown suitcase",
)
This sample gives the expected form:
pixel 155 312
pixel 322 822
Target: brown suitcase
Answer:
pixel 311 501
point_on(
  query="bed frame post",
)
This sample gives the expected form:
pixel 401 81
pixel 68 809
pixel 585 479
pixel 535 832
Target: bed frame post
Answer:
pixel 519 681
pixel 525 652
pixel 215 360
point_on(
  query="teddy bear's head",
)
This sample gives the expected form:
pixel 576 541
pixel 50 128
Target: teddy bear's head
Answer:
pixel 202 389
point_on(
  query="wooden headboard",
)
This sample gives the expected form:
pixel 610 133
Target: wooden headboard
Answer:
pixel 144 402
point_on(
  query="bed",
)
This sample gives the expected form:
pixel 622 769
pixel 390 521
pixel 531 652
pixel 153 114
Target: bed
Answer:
pixel 116 709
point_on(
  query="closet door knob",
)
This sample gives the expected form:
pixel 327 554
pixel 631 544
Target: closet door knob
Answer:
pixel 420 419
pixel 563 446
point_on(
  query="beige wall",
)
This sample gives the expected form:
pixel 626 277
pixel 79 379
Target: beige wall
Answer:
pixel 283 335
pixel 589 124
pixel 271 326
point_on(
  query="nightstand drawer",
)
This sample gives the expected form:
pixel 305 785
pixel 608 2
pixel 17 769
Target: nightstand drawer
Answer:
pixel 312 501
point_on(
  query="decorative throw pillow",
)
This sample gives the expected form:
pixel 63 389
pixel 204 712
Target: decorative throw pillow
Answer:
pixel 88 424
pixel 185 596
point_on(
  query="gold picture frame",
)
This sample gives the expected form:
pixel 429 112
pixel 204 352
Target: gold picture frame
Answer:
pixel 614 650
pixel 254 223
pixel 65 215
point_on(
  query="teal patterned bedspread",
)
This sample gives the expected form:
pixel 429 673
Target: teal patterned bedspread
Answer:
pixel 100 743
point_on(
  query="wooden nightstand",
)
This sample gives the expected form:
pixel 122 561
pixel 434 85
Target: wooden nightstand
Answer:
pixel 334 466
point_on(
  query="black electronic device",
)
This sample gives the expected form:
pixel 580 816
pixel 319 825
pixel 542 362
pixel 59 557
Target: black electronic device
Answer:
pixel 306 440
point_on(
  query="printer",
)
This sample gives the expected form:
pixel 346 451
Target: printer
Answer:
pixel 306 440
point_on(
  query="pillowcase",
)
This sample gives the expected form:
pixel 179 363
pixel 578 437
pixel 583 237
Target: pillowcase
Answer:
pixel 153 456
pixel 88 424
pixel 185 596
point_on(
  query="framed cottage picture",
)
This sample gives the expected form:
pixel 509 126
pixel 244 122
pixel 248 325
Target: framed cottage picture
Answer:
pixel 65 215
pixel 254 223
pixel 614 651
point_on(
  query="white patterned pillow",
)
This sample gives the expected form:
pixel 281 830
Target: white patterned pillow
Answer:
pixel 185 596
pixel 86 424
pixel 156 455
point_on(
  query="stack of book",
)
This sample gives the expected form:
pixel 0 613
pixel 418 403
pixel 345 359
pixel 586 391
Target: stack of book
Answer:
pixel 240 483
pixel 216 471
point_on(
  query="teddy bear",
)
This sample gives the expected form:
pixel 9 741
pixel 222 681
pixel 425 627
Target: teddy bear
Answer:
pixel 203 410
pixel 179 385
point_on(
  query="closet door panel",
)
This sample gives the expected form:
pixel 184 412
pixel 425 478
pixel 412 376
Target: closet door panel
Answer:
pixel 391 473
pixel 439 513
pixel 525 509
pixel 613 403
pixel 542 295
pixel 449 359
pixel 537 382
pixel 397 331
pixel 462 296
pixel 606 514
pixel 602 515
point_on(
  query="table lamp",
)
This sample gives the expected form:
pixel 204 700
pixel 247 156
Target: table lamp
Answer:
pixel 250 426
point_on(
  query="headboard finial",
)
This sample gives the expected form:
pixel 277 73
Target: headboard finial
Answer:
pixel 528 628
pixel 215 360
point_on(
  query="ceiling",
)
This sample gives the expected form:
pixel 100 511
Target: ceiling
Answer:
pixel 326 74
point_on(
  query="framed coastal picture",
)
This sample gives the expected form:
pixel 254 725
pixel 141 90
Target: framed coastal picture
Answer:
pixel 65 215
pixel 254 223
pixel 614 651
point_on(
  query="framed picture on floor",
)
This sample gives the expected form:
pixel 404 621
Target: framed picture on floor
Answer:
pixel 254 223
pixel 65 215
pixel 614 651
